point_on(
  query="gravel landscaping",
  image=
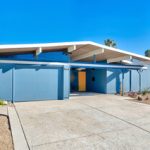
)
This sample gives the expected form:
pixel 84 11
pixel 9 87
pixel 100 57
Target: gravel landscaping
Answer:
pixel 139 97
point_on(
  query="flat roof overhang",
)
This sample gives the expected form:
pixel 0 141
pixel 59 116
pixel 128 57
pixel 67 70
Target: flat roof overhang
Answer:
pixel 75 65
pixel 79 51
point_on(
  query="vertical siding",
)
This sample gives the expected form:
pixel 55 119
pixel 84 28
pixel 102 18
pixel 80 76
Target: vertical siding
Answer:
pixel 114 77
pixel 146 78
pixel 127 81
pixel 135 80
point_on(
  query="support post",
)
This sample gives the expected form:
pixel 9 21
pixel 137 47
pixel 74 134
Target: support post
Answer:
pixel 122 82
pixel 13 69
pixel 139 71
pixel 69 55
pixel 94 58
pixel 130 72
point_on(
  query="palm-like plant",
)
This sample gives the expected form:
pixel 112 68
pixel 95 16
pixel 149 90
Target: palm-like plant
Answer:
pixel 110 43
pixel 147 53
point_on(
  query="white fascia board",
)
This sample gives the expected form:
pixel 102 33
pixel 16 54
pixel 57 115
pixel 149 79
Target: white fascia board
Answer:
pixel 107 66
pixel 43 45
pixel 89 54
pixel 33 63
pixel 38 51
pixel 71 64
pixel 71 48
pixel 118 59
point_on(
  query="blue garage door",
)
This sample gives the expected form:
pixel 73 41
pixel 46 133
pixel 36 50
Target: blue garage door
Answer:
pixel 37 83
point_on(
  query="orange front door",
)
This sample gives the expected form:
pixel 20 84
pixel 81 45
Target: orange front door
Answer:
pixel 82 81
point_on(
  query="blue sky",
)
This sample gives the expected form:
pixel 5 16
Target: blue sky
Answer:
pixel 38 21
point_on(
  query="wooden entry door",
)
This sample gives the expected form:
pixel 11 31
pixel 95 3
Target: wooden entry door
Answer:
pixel 82 81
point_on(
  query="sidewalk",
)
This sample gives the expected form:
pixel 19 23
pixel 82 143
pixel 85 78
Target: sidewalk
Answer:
pixel 19 139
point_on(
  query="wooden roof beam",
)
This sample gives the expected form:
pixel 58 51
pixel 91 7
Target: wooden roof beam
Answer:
pixel 88 54
pixel 119 59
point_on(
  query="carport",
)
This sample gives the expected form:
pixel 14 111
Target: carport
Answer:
pixel 93 77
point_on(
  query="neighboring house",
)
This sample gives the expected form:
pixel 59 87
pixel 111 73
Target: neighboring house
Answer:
pixel 51 71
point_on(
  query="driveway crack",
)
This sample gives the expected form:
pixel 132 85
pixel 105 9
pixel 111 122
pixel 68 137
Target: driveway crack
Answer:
pixel 97 109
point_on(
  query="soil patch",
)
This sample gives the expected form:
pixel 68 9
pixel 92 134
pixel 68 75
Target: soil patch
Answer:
pixel 5 134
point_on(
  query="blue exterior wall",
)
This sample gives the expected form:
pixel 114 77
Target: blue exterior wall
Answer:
pixel 135 80
pixel 29 82
pixel 6 82
pixel 37 83
pixel 98 85
pixel 26 82
pixel 46 56
pixel 96 80
pixel 74 80
pixel 146 78
pixel 115 78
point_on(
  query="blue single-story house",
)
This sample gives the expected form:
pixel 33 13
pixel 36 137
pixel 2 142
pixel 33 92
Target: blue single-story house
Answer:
pixel 52 71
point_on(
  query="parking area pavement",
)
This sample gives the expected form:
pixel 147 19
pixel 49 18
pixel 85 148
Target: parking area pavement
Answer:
pixel 88 121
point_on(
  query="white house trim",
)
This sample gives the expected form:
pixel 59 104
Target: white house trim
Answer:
pixel 72 64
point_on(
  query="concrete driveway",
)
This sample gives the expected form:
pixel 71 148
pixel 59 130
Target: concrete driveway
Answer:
pixel 86 122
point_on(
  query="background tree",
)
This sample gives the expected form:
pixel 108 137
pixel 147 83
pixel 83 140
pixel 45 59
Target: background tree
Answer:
pixel 110 43
pixel 147 53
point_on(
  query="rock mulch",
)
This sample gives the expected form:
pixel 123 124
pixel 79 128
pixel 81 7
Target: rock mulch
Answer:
pixel 139 97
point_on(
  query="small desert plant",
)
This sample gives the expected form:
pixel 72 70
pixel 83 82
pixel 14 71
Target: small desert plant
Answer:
pixel 2 102
pixel 145 91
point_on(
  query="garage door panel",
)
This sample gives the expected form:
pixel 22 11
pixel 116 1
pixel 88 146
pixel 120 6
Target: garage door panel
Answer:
pixel 36 83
